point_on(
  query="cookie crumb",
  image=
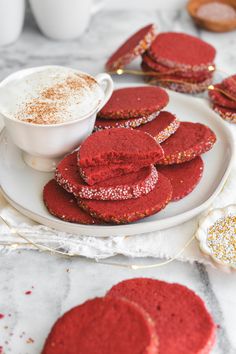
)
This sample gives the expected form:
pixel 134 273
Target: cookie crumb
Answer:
pixel 29 292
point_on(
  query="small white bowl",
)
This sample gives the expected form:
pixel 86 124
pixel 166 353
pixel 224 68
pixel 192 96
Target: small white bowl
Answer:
pixel 202 233
pixel 44 145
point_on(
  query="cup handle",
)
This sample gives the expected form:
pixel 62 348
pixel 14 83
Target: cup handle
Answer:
pixel 98 6
pixel 105 80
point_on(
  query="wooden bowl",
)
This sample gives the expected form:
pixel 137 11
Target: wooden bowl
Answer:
pixel 215 26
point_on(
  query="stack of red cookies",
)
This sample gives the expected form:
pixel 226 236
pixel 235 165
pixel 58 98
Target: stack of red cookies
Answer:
pixel 112 177
pixel 184 63
pixel 137 316
pixel 223 98
pixel 120 175
pixel 174 60
pixel 141 108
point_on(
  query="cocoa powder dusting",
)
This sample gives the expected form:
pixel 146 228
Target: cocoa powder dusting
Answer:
pixel 41 112
pixel 90 81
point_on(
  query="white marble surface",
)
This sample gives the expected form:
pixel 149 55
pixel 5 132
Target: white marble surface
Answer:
pixel 58 284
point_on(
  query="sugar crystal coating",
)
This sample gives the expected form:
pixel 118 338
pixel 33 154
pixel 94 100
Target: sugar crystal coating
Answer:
pixel 125 187
pixel 221 239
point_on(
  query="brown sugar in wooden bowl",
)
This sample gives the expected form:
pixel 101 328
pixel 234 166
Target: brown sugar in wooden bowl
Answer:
pixel 220 19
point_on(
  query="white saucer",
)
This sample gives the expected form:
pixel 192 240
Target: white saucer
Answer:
pixel 22 186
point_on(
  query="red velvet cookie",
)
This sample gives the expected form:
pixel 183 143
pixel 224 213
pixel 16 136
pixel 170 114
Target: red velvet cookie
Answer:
pixel 93 175
pixel 102 123
pixel 220 99
pixel 103 326
pixel 180 50
pixel 132 48
pixel 183 177
pixel 119 146
pixel 128 186
pixel 134 102
pixel 184 325
pixel 177 83
pixel 184 80
pixel 64 205
pixel 126 211
pixel 162 127
pixel 230 84
pixel 225 113
pixel 186 87
pixel 165 70
pixel 189 141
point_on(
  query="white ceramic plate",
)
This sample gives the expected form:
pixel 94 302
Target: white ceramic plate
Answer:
pixel 23 186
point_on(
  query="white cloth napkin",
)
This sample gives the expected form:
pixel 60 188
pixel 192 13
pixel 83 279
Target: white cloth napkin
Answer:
pixel 159 244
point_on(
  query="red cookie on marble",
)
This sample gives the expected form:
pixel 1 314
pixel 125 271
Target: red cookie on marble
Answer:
pixel 225 113
pixel 119 146
pixel 128 186
pixel 220 99
pixel 183 51
pixel 183 323
pixel 126 211
pixel 64 205
pixel 183 177
pixel 189 141
pixel 162 127
pixel 103 326
pixel 102 123
pixel 132 48
pixel 134 102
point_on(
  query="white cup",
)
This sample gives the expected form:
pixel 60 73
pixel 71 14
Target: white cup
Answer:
pixel 12 14
pixel 44 145
pixel 64 19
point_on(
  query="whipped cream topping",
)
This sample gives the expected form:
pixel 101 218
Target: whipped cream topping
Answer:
pixel 50 95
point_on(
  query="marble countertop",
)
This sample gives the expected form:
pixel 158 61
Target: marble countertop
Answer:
pixel 37 288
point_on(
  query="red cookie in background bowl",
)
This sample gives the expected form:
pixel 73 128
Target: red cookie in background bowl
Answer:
pixel 182 51
pixel 103 326
pixel 162 127
pixel 128 186
pixel 189 141
pixel 126 211
pixel 184 325
pixel 132 48
pixel 134 102
pixel 64 205
pixel 119 146
pixel 183 177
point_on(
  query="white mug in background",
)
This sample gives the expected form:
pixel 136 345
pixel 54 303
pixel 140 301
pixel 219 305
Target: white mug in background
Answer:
pixel 64 19
pixel 12 14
